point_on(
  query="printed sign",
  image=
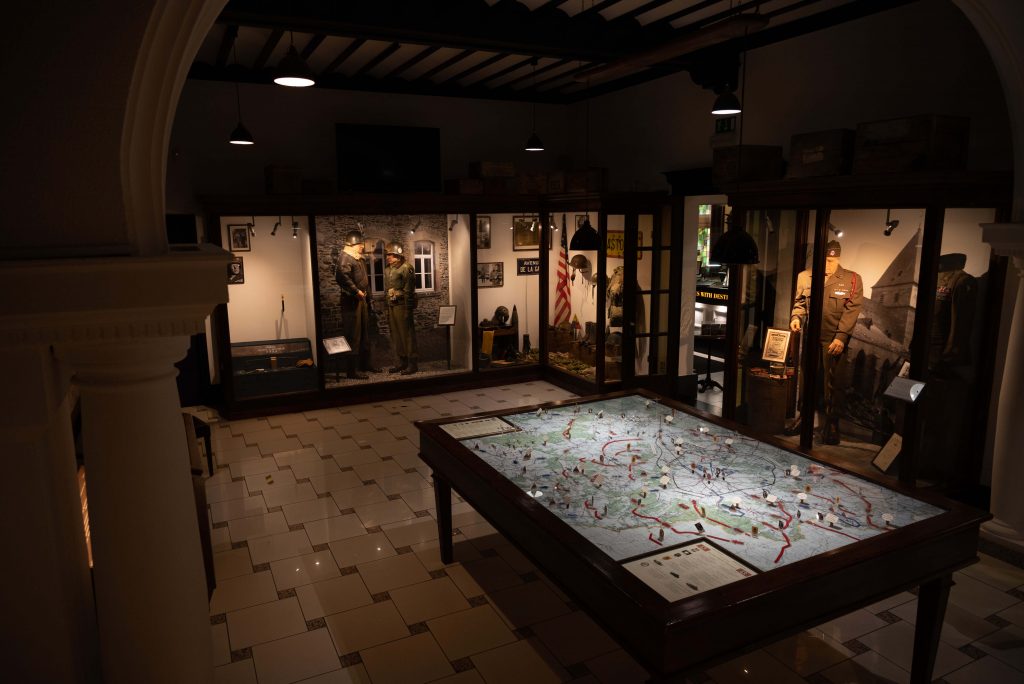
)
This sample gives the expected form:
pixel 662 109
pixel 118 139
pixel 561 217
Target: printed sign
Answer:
pixel 527 266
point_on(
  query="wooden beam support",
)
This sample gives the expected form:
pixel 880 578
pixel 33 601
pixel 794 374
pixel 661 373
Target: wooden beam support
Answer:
pixel 595 8
pixel 377 59
pixel 703 4
pixel 507 70
pixel 268 48
pixel 542 70
pixel 415 59
pixel 227 43
pixel 493 59
pixel 343 55
pixel 445 64
pixel 311 46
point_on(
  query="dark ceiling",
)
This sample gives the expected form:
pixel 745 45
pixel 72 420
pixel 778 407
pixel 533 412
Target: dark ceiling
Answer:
pixel 556 51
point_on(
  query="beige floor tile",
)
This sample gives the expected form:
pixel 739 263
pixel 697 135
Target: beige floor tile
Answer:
pixel 354 455
pixel 348 552
pixel 987 670
pixel 574 637
pixel 335 481
pixel 867 668
pixel 221 647
pixel 617 667
pixel 851 626
pixel 465 581
pixel 256 483
pixel 317 468
pixel 1014 614
pixel 333 529
pixel 257 526
pixel 959 628
pixel 360 628
pixel 470 631
pixel 419 499
pixel 279 546
pixel 517 662
pixel 427 600
pixel 295 658
pixel 429 553
pixel 411 660
pixel 378 471
pixel 294 572
pixel 465 677
pixel 756 666
pixel 463 515
pixel 891 602
pixel 389 573
pixel 363 495
pixel 806 653
pixel 230 457
pixel 356 430
pixel 527 604
pixel 896 644
pixel 273 446
pixel 333 596
pixel 233 563
pixel 412 531
pixel 237 508
pixel 284 494
pixel 256 466
pixel 484 535
pixel 241 592
pixel 406 482
pixel 406 459
pixel 264 434
pixel 996 573
pixel 221 477
pixel 226 492
pixel 299 455
pixel 349 675
pixel 979 598
pixel 1007 645
pixel 307 511
pixel 493 573
pixel 373 515
pixel 241 672
pixel 264 623
pixel 220 539
pixel 515 559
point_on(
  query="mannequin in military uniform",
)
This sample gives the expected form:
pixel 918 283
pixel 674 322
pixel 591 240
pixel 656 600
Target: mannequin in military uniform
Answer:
pixel 400 280
pixel 350 274
pixel 844 293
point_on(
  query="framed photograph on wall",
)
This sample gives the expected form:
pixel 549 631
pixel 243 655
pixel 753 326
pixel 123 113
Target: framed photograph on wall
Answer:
pixel 236 271
pixel 490 274
pixel 525 233
pixel 483 232
pixel 238 237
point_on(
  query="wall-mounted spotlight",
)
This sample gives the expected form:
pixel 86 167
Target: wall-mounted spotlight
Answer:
pixel 295 228
pixel 412 231
pixel 276 226
pixel 838 232
pixel 455 222
pixel 890 223
pixel 252 230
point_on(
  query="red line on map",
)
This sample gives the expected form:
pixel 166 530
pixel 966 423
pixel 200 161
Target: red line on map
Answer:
pixel 867 504
pixel 651 537
pixel 830 529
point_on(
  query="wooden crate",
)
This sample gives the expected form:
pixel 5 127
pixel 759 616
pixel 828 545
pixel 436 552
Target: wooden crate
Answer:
pixel 823 153
pixel 915 143
pixel 746 163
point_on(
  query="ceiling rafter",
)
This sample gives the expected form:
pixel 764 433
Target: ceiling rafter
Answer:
pixel 227 43
pixel 426 76
pixel 475 68
pixel 692 9
pixel 542 70
pixel 642 9
pixel 506 71
pixel 596 8
pixel 415 59
pixel 312 45
pixel 377 59
pixel 343 55
pixel 268 48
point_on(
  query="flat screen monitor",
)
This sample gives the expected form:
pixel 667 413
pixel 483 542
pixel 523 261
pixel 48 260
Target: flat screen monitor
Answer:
pixel 388 158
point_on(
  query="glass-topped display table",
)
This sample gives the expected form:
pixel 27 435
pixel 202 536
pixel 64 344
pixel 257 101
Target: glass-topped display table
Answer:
pixel 685 536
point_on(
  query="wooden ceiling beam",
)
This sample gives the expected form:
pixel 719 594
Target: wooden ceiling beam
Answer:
pixel 506 71
pixel 377 59
pixel 415 59
pixel 444 65
pixel 493 59
pixel 669 18
pixel 227 43
pixel 642 9
pixel 543 70
pixel 343 55
pixel 268 48
pixel 595 8
pixel 312 45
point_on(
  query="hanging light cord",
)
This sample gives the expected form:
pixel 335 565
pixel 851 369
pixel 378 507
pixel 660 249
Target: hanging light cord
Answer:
pixel 238 97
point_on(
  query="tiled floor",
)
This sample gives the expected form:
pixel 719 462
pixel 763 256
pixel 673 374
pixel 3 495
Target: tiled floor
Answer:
pixel 328 572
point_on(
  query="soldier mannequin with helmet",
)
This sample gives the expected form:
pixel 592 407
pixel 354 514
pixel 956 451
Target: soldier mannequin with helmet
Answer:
pixel 400 280
pixel 351 276
pixel 841 304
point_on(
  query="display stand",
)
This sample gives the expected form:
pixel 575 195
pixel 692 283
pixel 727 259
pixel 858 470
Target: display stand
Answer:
pixel 446 320
pixel 707 382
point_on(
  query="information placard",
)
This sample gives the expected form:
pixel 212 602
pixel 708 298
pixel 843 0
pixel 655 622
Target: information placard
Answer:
pixel 480 427
pixel 688 570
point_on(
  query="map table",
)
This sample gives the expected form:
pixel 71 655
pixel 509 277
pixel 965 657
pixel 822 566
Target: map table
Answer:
pixel 688 538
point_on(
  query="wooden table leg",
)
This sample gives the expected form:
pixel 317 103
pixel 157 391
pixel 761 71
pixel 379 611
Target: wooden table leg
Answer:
pixel 443 504
pixel 931 611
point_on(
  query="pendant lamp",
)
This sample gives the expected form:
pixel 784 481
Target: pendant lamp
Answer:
pixel 726 104
pixel 241 134
pixel 292 70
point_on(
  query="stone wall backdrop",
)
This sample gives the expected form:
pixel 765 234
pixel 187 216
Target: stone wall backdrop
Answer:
pixel 405 229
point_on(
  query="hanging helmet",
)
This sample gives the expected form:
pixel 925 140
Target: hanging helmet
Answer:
pixel 579 262
pixel 353 238
pixel 501 315
pixel 394 248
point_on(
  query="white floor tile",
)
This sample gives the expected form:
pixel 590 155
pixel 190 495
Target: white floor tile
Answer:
pixel 319 467
pixel 313 567
pixel 363 495
pixel 896 643
pixel 335 595
pixel 221 647
pixel 266 622
pixel 987 670
pixel 979 598
pixel 225 492
pixel 335 481
pixel 241 592
pixel 241 672
pixel 333 529
pixel 996 573
pixel 1006 645
pixel 257 483
pixel 307 511
pixel 237 508
pixel 349 552
pixel 295 658
pixel 279 546
pixel 257 526
pixel 281 495
pixel 253 467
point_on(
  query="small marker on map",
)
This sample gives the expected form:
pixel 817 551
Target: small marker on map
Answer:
pixel 600 414
pixel 647 404
pixel 735 502
pixel 540 411
pixel 753 530
pixel 700 528
pixel 887 517
pixel 764 493
pixel 820 516
pixel 771 499
pixel 794 471
pixel 703 429
pixel 668 419
pixel 780 525
pixel 661 534
pixel 728 441
pixel 831 519
pixel 802 497
pixel 664 468
pixel 663 481
pixel 605 510
pixel 807 488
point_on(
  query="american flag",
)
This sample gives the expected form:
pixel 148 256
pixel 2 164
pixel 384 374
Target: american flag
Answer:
pixel 563 306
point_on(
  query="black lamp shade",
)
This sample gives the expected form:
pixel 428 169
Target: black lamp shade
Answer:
pixel 726 103
pixel 241 136
pixel 585 239
pixel 293 71
pixel 735 247
pixel 534 144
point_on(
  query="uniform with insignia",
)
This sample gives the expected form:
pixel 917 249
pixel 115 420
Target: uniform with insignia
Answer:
pixel 400 280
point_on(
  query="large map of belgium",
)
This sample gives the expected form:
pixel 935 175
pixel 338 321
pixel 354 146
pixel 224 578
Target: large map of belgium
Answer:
pixel 633 476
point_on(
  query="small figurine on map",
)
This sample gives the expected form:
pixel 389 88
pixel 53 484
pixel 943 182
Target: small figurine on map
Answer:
pixel 821 516
pixel 661 534
pixel 664 481
pixel 678 441
pixel 700 528
pixel 598 480
pixel 545 442
pixel 528 455
pixel 679 451
pixel 643 492
pixel 540 411
pixel 780 525
pixel 728 441
pixel 693 467
pixel 703 429
pixel 753 530
pixel 735 504
pixel 605 510
pixel 794 471
pixel 802 498
pixel 703 513
pixel 602 458
pixel 764 493
pixel 887 517
pixel 798 512
pixel 807 488
pixel 771 499
pixel 600 414
pixel 837 502
pixel 647 404
pixel 668 419
pixel 524 470
pixel 831 519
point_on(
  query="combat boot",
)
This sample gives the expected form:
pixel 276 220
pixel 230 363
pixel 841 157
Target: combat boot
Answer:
pixel 411 369
pixel 403 363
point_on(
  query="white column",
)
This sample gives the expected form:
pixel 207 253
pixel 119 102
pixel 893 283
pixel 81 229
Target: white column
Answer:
pixel 150 589
pixel 47 620
pixel 1007 528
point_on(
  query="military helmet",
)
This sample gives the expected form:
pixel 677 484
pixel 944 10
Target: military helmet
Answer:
pixel 353 238
pixel 395 248
pixel 501 315
pixel 580 263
